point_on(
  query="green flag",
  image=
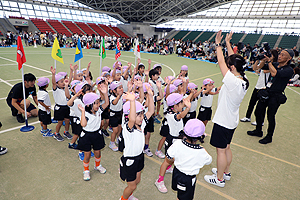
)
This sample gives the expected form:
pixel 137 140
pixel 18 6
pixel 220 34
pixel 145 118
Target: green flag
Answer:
pixel 103 50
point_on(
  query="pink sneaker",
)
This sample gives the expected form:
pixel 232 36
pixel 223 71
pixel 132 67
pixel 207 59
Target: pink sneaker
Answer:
pixel 161 186
pixel 169 171
pixel 132 198
pixel 160 154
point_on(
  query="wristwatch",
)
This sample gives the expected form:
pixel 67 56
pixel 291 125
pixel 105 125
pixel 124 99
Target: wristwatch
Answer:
pixel 218 45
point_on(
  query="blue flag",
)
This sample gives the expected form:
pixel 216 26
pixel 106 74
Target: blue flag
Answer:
pixel 78 53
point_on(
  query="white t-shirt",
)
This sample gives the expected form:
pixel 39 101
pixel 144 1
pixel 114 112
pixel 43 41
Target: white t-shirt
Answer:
pixel 207 99
pixel 175 125
pixel 59 96
pixel 43 96
pixel 161 80
pixel 134 139
pixel 124 83
pixel 154 86
pixel 189 158
pixel 262 80
pixel 93 121
pixel 230 97
pixel 75 110
pixel 118 107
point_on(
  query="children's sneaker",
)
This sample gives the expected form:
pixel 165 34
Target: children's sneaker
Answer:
pixel 148 152
pixel 161 186
pixel 113 147
pixel 3 150
pixel 110 129
pixel 64 123
pixel 254 123
pixel 68 135
pixel 245 119
pixel 212 179
pixel 225 176
pixel 101 169
pixel 156 120
pixel 104 132
pixel 160 154
pixel 20 118
pixel 58 137
pixel 169 171
pixel 92 154
pixel 81 156
pixel 131 197
pixel 47 130
pixel 73 146
pixel 159 116
pixel 54 121
pixel 86 175
pixel 48 134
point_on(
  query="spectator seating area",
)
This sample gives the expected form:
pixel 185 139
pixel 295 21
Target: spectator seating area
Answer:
pixel 15 17
pixel 59 27
pixel 85 28
pixel 202 36
pixel 69 28
pixel 41 25
pixel 1 34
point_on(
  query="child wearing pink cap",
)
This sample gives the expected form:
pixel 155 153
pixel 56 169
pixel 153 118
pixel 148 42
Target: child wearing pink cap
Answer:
pixel 206 100
pixel 126 76
pixel 44 106
pixel 132 161
pixel 172 125
pixel 184 72
pixel 158 67
pixel 91 136
pixel 188 158
pixel 115 117
pixel 61 109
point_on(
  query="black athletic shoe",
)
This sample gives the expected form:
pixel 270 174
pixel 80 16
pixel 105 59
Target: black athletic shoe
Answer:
pixel 20 118
pixel 255 133
pixel 105 133
pixel 14 112
pixel 3 150
pixel 265 140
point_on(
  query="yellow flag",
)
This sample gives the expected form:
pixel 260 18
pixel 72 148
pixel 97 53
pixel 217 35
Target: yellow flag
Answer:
pixel 56 52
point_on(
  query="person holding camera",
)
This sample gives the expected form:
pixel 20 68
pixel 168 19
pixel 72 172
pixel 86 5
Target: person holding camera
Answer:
pixel 273 96
pixel 261 83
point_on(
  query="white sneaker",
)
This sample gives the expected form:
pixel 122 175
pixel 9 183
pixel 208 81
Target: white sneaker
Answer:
pixel 132 197
pixel 148 152
pixel 86 175
pixel 225 176
pixel 254 123
pixel 161 186
pixel 169 171
pixel 212 179
pixel 110 129
pixel 101 169
pixel 113 147
pixel 245 119
pixel 160 154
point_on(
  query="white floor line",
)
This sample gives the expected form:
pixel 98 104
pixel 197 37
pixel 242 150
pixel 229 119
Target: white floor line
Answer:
pixel 6 64
pixel 3 81
pixel 293 90
pixel 21 79
pixel 26 65
pixel 17 127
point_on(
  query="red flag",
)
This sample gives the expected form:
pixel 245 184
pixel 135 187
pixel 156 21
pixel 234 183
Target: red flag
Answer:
pixel 87 46
pixel 20 53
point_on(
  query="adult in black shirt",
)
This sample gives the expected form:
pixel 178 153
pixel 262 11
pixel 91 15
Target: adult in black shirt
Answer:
pixel 15 99
pixel 276 85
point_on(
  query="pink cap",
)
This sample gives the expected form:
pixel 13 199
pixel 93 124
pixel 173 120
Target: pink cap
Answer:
pixel 105 74
pixel 64 74
pixel 100 79
pixel 192 86
pixel 157 65
pixel 80 85
pixel 106 69
pixel 58 77
pixel 115 84
pixel 208 81
pixel 118 71
pixel 177 82
pixel 172 88
pixel 184 67
pixel 174 99
pixel 194 128
pixel 120 64
pixel 42 81
pixel 124 68
pixel 138 107
pixel 90 98
pixel 74 83
pixel 144 87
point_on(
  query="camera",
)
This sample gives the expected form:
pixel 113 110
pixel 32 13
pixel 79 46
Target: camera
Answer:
pixel 264 51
